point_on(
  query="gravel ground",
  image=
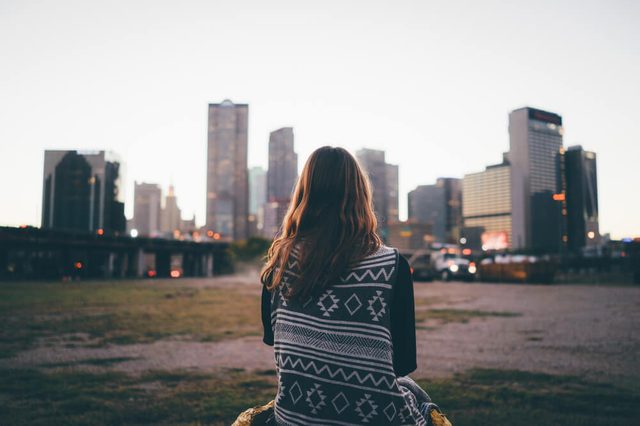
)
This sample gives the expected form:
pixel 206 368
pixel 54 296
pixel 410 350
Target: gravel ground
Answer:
pixel 588 331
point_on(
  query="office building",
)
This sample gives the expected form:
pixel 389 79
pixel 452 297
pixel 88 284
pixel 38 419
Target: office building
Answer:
pixel 227 180
pixel 257 189
pixel 384 183
pixel 581 199
pixel 283 165
pixel 274 213
pixel 486 208
pixel 147 199
pixel 171 213
pixel 453 207
pixel 393 202
pixel 409 235
pixel 535 139
pixel 427 205
pixel 82 191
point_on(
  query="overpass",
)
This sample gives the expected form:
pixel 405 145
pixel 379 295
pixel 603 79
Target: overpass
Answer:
pixel 33 253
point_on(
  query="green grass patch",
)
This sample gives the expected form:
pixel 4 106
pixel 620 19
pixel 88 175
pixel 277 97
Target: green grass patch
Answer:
pixel 497 397
pixel 458 315
pixel 122 312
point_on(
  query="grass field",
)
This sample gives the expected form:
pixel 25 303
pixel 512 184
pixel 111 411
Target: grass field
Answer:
pixel 59 393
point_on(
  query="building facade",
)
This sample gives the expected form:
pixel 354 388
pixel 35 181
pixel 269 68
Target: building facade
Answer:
pixel 393 190
pixel 147 200
pixel 171 217
pixel 82 191
pixel 428 204
pixel 581 199
pixel 486 208
pixel 227 180
pixel 283 165
pixel 535 139
pixel 373 163
pixel 453 207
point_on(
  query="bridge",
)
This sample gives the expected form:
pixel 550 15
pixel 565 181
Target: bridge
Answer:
pixel 29 253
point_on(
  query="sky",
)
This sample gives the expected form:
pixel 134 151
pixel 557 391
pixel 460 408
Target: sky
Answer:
pixel 429 82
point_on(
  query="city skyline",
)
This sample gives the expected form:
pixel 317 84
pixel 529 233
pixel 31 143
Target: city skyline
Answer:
pixel 99 83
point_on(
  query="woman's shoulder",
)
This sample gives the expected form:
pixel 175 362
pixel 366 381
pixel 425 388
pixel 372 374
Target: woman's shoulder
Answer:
pixel 382 251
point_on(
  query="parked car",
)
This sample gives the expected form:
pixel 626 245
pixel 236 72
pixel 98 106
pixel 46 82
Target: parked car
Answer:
pixel 421 267
pixel 451 266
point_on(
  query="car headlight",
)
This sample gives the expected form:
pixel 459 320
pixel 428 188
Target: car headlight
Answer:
pixel 453 268
pixel 472 269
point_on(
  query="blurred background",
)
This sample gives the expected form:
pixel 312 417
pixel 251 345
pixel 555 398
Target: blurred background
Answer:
pixel 148 151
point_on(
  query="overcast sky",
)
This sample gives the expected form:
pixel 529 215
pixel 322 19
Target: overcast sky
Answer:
pixel 430 82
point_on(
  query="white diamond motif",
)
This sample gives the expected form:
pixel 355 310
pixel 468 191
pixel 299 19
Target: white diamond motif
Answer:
pixel 353 300
pixel 298 393
pixel 390 411
pixel 340 402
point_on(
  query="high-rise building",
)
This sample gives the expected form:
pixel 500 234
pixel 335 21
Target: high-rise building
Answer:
pixel 171 213
pixel 227 180
pixel 486 208
pixel 82 191
pixel 535 138
pixel 281 179
pixel 428 205
pixel 373 163
pixel 393 190
pixel 147 199
pixel 283 165
pixel 257 189
pixel 581 199
pixel 453 207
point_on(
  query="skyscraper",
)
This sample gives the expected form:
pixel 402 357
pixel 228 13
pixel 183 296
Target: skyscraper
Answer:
pixel 281 179
pixel 227 181
pixel 453 207
pixel 486 208
pixel 283 165
pixel 171 217
pixel 147 198
pixel 392 193
pixel 535 140
pixel 428 205
pixel 257 189
pixel 373 163
pixel 82 191
pixel 582 198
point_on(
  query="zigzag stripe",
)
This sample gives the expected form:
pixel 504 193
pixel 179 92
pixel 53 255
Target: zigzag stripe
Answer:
pixel 287 360
pixel 336 382
pixel 348 362
pixel 383 366
pixel 368 272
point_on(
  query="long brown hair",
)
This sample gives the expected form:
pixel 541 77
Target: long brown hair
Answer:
pixel 330 221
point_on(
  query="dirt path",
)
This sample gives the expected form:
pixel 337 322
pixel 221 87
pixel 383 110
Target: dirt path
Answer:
pixel 587 331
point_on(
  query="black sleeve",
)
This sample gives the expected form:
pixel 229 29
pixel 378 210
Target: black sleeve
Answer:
pixel 267 336
pixel 403 321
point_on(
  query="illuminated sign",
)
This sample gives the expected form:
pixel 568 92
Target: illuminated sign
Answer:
pixel 495 240
pixel 547 117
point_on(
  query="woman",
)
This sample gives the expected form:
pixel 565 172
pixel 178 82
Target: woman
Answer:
pixel 337 306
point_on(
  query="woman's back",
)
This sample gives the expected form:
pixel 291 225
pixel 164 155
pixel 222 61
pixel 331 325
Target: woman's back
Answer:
pixel 334 351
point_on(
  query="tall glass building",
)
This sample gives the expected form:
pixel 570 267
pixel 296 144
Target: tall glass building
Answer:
pixel 535 138
pixel 227 180
pixel 83 191
pixel 582 198
pixel 486 208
